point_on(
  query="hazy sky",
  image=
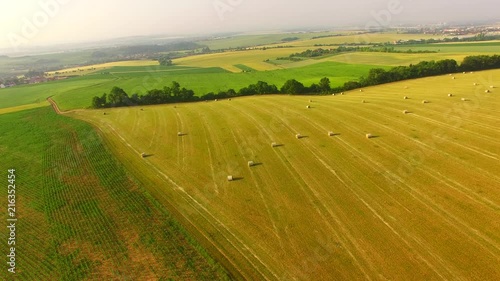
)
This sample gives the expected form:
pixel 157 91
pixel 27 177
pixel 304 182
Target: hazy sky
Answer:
pixel 40 22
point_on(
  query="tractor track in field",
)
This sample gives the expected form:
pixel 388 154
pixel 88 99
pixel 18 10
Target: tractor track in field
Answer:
pixel 54 105
pixel 210 156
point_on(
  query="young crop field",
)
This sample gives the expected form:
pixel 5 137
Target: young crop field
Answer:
pixel 400 189
pixel 81 216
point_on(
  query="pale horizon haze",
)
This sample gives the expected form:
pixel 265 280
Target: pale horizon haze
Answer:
pixel 29 23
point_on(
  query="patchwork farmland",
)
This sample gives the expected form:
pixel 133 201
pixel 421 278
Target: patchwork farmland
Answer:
pixel 417 200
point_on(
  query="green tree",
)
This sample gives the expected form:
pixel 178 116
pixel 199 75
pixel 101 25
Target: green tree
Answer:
pixel 293 87
pixel 99 102
pixel 165 61
pixel 118 97
pixel 324 85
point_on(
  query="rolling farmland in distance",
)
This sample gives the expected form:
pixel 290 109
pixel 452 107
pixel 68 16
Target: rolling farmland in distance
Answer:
pixel 418 201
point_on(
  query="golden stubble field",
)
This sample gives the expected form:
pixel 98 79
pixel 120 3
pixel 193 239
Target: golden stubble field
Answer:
pixel 418 201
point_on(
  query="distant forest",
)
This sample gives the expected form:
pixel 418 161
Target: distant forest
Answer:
pixel 117 97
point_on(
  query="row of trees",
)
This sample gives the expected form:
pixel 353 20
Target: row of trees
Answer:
pixel 175 93
pixel 344 49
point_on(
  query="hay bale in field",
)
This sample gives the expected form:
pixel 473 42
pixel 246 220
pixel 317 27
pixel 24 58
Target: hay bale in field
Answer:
pixel 104 113
pixel 230 178
pixel 487 91
pixel 298 136
pixel 342 93
pixel 142 109
pixel 143 155
pixel 363 101
pixel 369 136
pixel 361 90
pixel 464 72
pixel 251 164
pixel 180 134
pixel 229 99
pixel 450 95
pixel 453 77
pixel 475 84
pixel 310 100
pixel 464 99
pixel 405 112
pixel 492 87
pixel 425 101
pixel 331 134
pixel 308 106
pixel 405 97
pixel 216 100
pixel 274 144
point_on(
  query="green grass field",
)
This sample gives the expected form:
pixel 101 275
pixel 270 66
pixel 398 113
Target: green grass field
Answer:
pixel 418 201
pixel 81 215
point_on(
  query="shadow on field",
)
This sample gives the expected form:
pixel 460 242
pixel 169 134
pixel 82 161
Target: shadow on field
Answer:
pixel 148 155
pixel 238 178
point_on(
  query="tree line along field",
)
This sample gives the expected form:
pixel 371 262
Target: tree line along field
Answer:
pixel 418 200
pixel 82 216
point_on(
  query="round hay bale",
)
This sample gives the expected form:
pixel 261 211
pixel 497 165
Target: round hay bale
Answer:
pixel 450 95
pixel 369 136
pixel 464 99
pixel 475 84
pixel 492 87
pixel 405 112
pixel 487 91
pixel 230 178
pixel 298 136
pixel 308 106
pixel 251 163
pixel 274 144
pixel 363 101
pixel 361 90
pixel 405 97
pixel 425 101
pixel 143 155
pixel 331 134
